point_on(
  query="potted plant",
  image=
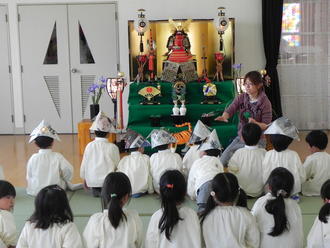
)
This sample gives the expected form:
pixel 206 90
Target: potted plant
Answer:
pixel 96 90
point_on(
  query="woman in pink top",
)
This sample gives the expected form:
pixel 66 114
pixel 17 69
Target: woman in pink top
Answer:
pixel 253 106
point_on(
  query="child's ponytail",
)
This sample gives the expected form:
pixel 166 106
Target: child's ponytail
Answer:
pixel 242 199
pixel 115 188
pixel 115 211
pixel 172 192
pixel 276 207
pixel 325 194
pixel 280 183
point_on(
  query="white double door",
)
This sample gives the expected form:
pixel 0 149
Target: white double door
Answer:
pixel 64 49
pixel 6 109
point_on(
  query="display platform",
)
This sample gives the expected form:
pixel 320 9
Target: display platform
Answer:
pixel 139 115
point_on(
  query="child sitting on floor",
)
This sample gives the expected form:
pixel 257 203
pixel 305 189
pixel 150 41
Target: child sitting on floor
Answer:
pixel 164 159
pixel 100 157
pixel 317 165
pixel 279 217
pixel 7 223
pixel 204 170
pixel 246 163
pixel 282 132
pixel 199 134
pixel 115 226
pixel 51 224
pixel 47 167
pixel 226 221
pixel 319 235
pixel 174 225
pixel 137 165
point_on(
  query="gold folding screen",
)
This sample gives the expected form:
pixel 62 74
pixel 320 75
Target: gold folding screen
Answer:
pixel 202 33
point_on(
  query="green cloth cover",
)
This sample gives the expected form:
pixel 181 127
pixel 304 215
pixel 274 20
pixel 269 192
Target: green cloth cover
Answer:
pixel 139 114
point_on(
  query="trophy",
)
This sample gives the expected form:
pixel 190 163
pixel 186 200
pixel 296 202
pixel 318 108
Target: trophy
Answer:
pixel 149 93
pixel 210 93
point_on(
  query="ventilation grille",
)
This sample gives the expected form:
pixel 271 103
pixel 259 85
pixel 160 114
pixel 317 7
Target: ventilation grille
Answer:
pixel 53 86
pixel 86 81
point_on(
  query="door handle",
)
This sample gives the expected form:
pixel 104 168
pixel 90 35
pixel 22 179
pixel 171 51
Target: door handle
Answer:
pixel 74 70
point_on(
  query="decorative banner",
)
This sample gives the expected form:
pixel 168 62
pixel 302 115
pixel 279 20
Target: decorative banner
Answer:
pixel 170 71
pixel 188 71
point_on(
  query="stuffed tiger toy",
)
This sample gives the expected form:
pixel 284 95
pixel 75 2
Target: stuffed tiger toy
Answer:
pixel 183 136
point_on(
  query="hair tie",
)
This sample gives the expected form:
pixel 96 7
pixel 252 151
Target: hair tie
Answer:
pixel 113 195
pixel 281 192
pixel 170 186
pixel 327 201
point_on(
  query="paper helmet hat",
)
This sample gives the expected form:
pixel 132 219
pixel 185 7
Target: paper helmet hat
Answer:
pixel 102 123
pixel 161 137
pixel 135 140
pixel 211 142
pixel 283 126
pixel 200 132
pixel 43 129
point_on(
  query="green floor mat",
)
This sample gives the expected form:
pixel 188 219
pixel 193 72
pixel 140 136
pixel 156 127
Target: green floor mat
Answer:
pixel 84 204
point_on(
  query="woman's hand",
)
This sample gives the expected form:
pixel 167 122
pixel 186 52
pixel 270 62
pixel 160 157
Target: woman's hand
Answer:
pixel 221 118
pixel 263 126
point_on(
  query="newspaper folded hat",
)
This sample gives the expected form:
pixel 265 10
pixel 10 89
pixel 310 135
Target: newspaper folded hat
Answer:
pixel 200 132
pixel 43 129
pixel 161 137
pixel 135 140
pixel 283 126
pixel 102 123
pixel 211 142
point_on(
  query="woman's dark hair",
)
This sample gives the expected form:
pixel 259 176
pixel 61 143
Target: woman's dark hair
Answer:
pixel 115 187
pixel 255 77
pixel 7 189
pixel 280 183
pixel 318 139
pixel 280 142
pixel 213 152
pixel 173 188
pixel 251 134
pixel 51 206
pixel 325 209
pixel 226 189
pixel 100 134
pixel 162 147
pixel 43 142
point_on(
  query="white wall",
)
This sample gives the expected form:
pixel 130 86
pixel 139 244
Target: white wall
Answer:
pixel 248 31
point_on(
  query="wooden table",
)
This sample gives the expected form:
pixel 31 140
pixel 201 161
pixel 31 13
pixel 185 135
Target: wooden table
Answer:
pixel 84 135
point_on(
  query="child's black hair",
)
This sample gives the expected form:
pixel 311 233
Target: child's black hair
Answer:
pixel 325 209
pixel 318 139
pixel 115 187
pixel 251 134
pixel 280 183
pixel 133 149
pixel 100 134
pixel 161 147
pixel 51 206
pixel 213 152
pixel 173 188
pixel 280 142
pixel 7 189
pixel 226 189
pixel 44 142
